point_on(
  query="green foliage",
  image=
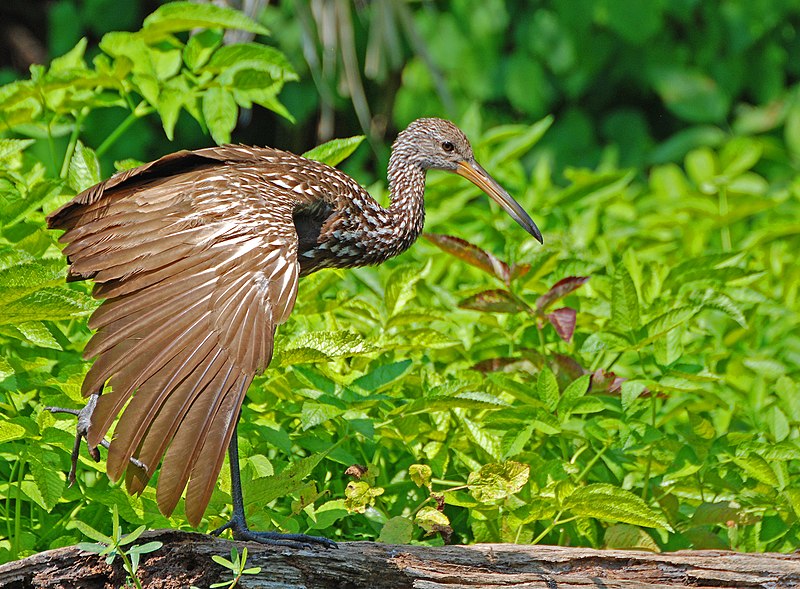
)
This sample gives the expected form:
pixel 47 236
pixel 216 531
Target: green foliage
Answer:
pixel 631 384
pixel 112 546
pixel 236 565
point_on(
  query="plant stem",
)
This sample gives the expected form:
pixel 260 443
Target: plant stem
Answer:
pixel 11 537
pixel 592 462
pixel 73 140
pixel 129 567
pixel 18 508
pixel 135 115
pixel 548 529
pixel 725 230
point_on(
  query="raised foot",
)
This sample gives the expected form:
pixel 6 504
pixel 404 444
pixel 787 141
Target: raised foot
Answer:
pixel 82 429
pixel 241 532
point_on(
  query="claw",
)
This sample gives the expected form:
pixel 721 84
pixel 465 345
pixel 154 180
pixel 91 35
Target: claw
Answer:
pixel 81 431
pixel 241 532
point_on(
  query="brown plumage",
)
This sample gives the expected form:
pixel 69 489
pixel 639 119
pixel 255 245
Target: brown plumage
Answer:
pixel 197 256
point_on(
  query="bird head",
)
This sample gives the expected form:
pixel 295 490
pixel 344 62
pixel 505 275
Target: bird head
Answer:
pixel 437 144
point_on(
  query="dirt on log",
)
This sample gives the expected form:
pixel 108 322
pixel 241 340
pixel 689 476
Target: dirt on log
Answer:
pixel 185 560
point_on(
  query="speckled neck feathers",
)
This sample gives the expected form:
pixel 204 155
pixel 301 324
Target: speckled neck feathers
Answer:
pixel 360 232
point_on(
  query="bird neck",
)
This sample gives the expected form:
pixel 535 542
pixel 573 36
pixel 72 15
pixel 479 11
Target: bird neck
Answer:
pixel 407 193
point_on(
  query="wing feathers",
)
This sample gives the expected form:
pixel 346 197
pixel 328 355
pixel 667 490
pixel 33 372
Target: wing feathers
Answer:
pixel 197 269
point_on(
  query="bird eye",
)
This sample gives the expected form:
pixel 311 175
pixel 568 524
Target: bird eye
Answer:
pixel 447 146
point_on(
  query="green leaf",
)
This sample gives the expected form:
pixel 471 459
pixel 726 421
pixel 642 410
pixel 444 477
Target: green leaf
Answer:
pixel 263 490
pixel 573 393
pixel 628 537
pixel 334 151
pixel 401 287
pixel 421 474
pixel 34 332
pixel 624 302
pixel 497 481
pixel 10 147
pixel 721 302
pixel 200 47
pixel 397 530
pixel 220 112
pixel 313 414
pixel 90 532
pixel 47 477
pixel 170 101
pixel 221 560
pixel 10 431
pixel 759 469
pixel 332 344
pixel 51 303
pixel 84 168
pixel 515 442
pixel 547 388
pixel 433 521
pixel 692 95
pixel 359 495
pixel 382 376
pixel 668 321
pixel 72 59
pixel 229 61
pixel 607 502
pixel 146 548
pixel 716 513
pixel 174 17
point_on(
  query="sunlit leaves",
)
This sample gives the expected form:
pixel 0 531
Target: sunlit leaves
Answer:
pixel 185 16
pixel 220 112
pixel 84 168
pixel 497 481
pixel 625 302
pixel 359 495
pixel 335 150
pixel 614 504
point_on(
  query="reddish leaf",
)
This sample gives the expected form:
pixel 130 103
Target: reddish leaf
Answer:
pixel 471 254
pixel 567 369
pixel 518 270
pixel 564 321
pixel 504 365
pixel 559 290
pixel 606 382
pixel 495 301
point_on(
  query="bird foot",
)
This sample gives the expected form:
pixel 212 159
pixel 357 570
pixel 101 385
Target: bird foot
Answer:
pixel 240 531
pixel 81 431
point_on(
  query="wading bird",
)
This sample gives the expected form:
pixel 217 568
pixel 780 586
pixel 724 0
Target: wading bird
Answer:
pixel 197 257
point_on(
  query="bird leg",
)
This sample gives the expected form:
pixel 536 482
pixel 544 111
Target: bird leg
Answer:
pixel 238 524
pixel 81 431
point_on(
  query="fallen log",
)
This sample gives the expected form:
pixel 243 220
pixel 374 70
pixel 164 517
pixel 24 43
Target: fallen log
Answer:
pixel 185 560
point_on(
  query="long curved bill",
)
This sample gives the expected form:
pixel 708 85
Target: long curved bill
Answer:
pixel 473 172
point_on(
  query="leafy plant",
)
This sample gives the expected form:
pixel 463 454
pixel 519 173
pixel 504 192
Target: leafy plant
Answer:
pixel 236 566
pixel 112 546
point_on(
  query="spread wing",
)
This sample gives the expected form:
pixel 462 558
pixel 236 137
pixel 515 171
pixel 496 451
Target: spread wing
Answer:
pixel 197 268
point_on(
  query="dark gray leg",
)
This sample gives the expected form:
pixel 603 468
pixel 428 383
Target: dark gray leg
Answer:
pixel 238 523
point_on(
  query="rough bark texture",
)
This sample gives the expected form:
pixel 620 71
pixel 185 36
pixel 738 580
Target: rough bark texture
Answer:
pixel 185 559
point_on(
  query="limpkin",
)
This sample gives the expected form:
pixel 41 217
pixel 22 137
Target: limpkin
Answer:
pixel 197 256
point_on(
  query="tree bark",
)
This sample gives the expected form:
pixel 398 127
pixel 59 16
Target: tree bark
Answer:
pixel 185 560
